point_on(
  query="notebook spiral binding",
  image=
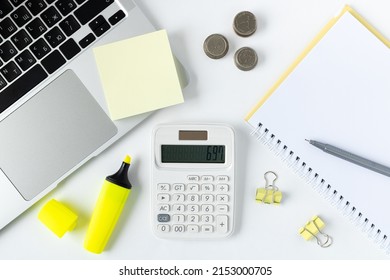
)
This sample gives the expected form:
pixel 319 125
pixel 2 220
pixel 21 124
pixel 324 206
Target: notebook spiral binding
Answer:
pixel 319 184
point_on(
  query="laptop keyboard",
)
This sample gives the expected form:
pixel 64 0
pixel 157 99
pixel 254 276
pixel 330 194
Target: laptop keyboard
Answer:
pixel 36 39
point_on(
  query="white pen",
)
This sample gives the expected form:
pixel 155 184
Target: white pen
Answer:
pixel 363 162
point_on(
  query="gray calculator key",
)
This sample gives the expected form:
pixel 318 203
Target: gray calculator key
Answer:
pixel 163 218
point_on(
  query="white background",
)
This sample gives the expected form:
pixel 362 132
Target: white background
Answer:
pixel 218 92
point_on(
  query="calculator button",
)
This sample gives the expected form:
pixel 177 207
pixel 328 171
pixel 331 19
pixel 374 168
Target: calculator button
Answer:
pixel 163 228
pixel 193 187
pixel 193 178
pixel 193 228
pixel 163 197
pixel 178 187
pixel 222 178
pixel 192 198
pixel 163 187
pixel 163 208
pixel 207 218
pixel 178 208
pixel 223 187
pixel 222 223
pixel 207 178
pixel 178 197
pixel 207 187
pixel 207 228
pixel 207 198
pixel 193 218
pixel 178 228
pixel 178 218
pixel 193 208
pixel 222 208
pixel 208 208
pixel 163 218
pixel 222 198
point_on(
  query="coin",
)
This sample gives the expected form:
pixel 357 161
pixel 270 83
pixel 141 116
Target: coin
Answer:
pixel 216 46
pixel 244 24
pixel 245 59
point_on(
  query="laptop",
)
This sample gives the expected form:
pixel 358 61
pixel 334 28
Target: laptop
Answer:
pixel 53 115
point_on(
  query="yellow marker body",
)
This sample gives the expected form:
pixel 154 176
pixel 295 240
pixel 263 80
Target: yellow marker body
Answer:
pixel 109 206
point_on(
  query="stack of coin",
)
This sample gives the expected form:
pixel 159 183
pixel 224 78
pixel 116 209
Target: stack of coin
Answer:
pixel 245 59
pixel 216 46
pixel 244 24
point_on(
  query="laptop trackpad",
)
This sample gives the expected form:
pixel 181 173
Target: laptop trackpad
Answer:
pixel 50 134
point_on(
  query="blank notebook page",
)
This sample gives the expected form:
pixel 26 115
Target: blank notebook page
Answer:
pixel 339 94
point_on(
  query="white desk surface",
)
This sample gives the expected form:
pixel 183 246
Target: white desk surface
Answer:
pixel 218 92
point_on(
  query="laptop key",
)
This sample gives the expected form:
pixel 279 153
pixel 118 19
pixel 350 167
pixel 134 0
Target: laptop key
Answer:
pixel 65 6
pixel 25 60
pixel 36 28
pixel 7 27
pixel 36 6
pixel 40 48
pixel 21 39
pixel 21 16
pixel 70 49
pixel 21 86
pixel 51 16
pixel 55 37
pixel 5 8
pixel 87 40
pixel 69 25
pixel 7 51
pixel 99 26
pixel 10 71
pixel 53 61
pixel 16 2
pixel 3 83
pixel 115 18
pixel 91 9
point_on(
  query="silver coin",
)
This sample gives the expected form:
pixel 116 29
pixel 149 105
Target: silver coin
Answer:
pixel 244 24
pixel 216 46
pixel 245 59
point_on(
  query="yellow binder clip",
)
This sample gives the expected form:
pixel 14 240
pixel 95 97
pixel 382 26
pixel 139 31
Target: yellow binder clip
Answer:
pixel 270 194
pixel 313 229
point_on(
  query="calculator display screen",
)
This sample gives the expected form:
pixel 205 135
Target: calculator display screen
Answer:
pixel 193 153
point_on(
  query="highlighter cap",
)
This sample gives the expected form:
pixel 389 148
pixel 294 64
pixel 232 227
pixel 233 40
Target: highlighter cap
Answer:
pixel 57 217
pixel 121 177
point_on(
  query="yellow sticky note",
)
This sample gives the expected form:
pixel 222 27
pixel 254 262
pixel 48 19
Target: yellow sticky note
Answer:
pixel 138 75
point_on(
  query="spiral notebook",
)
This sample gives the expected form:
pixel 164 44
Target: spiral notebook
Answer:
pixel 336 92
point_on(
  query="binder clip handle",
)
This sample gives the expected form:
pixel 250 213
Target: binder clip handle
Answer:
pixel 266 177
pixel 269 194
pixel 313 229
pixel 326 240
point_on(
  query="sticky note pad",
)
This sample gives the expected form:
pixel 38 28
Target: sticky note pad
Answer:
pixel 138 75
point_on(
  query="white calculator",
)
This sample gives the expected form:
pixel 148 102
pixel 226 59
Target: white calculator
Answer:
pixel 193 181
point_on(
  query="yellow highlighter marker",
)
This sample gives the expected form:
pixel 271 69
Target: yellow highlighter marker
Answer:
pixel 112 198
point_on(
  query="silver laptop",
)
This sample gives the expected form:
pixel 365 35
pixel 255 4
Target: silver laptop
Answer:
pixel 53 116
